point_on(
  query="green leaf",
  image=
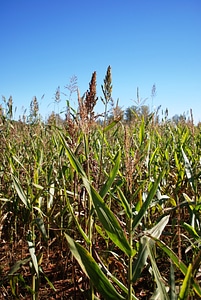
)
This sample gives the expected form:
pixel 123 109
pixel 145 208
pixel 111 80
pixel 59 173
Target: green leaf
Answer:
pixel 33 256
pixel 111 125
pixel 190 201
pixel 112 176
pixel 18 161
pixel 106 217
pixel 184 292
pixel 102 233
pixel 188 169
pixel 153 155
pixel 117 282
pixel 146 241
pixel 108 220
pixel 145 205
pixel 38 186
pixel 180 265
pixel 49 282
pixel 40 223
pixel 93 271
pixel 124 203
pixel 178 165
pixel 73 161
pixel 20 191
pixel 51 197
pixel 142 132
pixel 191 230
pixel 17 266
pixel 157 276
pixel 70 208
pixel 139 261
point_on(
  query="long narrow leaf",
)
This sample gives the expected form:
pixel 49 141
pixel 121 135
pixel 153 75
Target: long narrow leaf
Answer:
pixel 180 265
pixel 33 256
pixel 78 168
pixel 20 191
pixel 142 132
pixel 106 217
pixel 184 292
pixel 157 230
pixel 124 203
pixel 111 177
pixel 188 169
pixel 81 231
pixel 40 223
pixel 115 280
pixel 146 241
pixel 140 261
pixel 51 197
pixel 73 161
pixel 93 271
pixel 17 266
pixel 111 125
pixel 145 205
pixel 108 220
pixel 157 276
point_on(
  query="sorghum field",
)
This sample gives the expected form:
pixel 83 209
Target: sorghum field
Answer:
pixel 99 207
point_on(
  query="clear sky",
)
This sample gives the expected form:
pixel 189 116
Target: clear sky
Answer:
pixel 45 42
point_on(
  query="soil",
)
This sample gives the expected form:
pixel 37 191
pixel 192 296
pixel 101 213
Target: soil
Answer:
pixel 58 266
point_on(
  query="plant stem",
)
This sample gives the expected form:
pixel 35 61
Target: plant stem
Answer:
pixel 130 261
pixel 90 217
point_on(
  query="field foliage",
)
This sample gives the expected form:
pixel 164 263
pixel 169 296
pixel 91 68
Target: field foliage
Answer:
pixel 99 207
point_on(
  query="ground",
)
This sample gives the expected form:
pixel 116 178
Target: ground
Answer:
pixel 59 267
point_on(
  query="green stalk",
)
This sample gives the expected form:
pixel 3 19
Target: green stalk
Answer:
pixel 90 231
pixel 130 260
pixel 90 218
pixel 34 279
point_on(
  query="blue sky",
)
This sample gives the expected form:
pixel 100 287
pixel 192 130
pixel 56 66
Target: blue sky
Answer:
pixel 45 42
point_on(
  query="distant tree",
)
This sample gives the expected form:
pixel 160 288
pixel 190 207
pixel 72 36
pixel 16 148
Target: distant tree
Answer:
pixel 138 110
pixel 175 118
pixel 131 113
pixel 144 111
pixel 179 118
pixel 134 112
